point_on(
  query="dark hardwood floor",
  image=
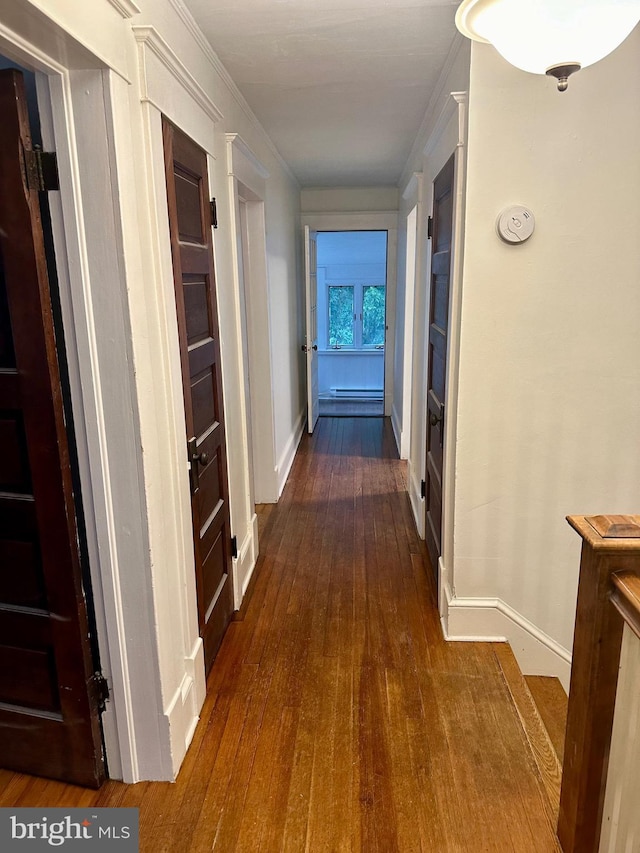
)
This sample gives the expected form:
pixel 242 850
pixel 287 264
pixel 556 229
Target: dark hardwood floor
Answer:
pixel 337 718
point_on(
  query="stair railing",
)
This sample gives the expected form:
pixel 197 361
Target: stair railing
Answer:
pixel 608 599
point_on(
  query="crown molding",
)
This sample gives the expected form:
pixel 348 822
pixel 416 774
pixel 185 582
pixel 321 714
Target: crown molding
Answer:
pixel 149 39
pixel 457 44
pixel 194 29
pixel 126 8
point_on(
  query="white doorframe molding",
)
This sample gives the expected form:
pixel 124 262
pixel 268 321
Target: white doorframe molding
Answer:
pixel 457 106
pixel 248 180
pixel 370 221
pixel 114 258
pixel 413 196
pixel 75 122
pixel 167 88
pixel 449 137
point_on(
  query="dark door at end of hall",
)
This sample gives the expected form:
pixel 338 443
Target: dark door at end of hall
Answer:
pixel 49 708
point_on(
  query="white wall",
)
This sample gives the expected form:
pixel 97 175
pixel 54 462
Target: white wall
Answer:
pixel 548 407
pixel 155 60
pixel 348 199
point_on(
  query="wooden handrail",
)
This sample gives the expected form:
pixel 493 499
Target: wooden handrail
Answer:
pixel 625 597
pixel 610 558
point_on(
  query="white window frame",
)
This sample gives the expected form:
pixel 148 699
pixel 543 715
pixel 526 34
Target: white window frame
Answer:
pixel 358 318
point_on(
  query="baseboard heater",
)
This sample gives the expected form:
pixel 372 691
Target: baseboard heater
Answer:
pixel 360 393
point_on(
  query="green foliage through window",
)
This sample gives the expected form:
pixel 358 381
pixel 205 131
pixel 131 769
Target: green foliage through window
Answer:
pixel 373 316
pixel 341 316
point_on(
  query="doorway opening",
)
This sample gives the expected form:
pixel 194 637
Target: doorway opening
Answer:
pixel 352 291
pixel 49 656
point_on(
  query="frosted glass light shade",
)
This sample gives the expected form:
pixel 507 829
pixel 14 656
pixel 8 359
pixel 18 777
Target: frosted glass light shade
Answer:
pixel 536 35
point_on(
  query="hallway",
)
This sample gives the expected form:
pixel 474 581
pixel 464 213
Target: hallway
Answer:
pixel 337 718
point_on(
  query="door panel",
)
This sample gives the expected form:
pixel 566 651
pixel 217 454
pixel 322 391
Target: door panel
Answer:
pixel 311 340
pixel 47 693
pixel 437 356
pixel 192 252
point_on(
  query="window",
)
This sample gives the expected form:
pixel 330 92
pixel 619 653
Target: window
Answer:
pixel 351 278
pixel 356 316
pixel 341 315
pixel 373 315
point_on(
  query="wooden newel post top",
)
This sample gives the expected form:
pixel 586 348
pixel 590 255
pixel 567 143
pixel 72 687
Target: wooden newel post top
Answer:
pixel 608 532
pixel 611 545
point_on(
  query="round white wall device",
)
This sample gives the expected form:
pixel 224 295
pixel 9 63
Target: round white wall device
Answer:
pixel 515 224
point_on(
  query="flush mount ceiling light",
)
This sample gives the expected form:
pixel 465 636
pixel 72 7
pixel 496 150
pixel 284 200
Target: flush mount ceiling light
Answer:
pixel 555 37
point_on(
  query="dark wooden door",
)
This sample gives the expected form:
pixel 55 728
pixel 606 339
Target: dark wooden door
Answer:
pixel 442 232
pixel 192 251
pixel 49 718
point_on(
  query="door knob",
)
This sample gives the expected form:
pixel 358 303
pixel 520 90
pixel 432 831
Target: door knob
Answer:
pixel 434 420
pixel 195 459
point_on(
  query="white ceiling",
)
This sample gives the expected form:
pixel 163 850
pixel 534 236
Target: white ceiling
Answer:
pixel 341 86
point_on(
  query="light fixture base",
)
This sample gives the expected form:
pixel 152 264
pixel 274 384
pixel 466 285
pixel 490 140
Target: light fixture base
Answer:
pixel 562 73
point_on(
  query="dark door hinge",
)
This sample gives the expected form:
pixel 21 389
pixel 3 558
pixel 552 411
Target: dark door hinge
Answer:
pixel 430 227
pixel 214 213
pixel 423 488
pixel 101 690
pixel 234 546
pixel 41 168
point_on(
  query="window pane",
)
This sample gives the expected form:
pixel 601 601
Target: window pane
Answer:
pixel 341 316
pixel 373 316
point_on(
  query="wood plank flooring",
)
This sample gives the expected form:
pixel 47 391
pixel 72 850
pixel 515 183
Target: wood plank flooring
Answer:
pixel 337 718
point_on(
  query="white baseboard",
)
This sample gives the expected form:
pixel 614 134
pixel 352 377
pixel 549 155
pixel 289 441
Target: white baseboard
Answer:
pixel 289 454
pixel 416 500
pixel 493 620
pixel 245 562
pixel 401 436
pixel 397 432
pixel 183 712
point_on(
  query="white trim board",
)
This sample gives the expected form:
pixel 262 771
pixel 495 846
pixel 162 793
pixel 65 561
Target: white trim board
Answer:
pixel 245 563
pixel 417 501
pixel 239 146
pixel 126 8
pixel 289 453
pixel 248 192
pixel 159 71
pixel 397 428
pixel 491 620
pixel 183 712
pixel 368 220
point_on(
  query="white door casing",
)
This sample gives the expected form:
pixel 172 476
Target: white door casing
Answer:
pixel 311 335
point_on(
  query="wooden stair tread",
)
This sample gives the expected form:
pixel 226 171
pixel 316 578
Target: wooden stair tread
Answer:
pixel 542 749
pixel 551 701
